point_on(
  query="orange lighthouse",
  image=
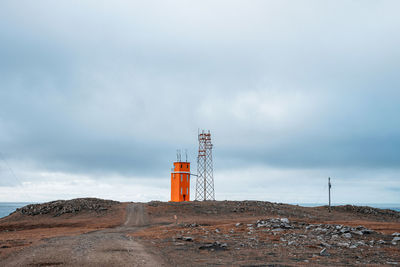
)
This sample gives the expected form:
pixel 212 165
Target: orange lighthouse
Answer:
pixel 180 182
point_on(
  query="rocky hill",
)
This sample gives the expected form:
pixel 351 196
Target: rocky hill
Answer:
pixel 59 207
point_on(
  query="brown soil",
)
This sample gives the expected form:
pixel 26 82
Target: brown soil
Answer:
pixel 223 233
pixel 18 231
pixel 84 238
pixel 205 234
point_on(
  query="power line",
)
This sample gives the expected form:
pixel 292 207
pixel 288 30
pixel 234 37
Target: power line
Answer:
pixel 14 175
pixel 9 168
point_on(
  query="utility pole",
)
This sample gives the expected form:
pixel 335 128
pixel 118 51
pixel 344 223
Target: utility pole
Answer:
pixel 329 190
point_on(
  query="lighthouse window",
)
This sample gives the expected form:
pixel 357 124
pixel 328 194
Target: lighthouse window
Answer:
pixel 187 191
pixel 181 191
pixel 187 177
pixel 181 177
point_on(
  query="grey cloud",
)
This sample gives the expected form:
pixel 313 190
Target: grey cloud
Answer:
pixel 90 88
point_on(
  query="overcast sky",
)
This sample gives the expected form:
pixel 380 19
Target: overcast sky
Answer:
pixel 96 96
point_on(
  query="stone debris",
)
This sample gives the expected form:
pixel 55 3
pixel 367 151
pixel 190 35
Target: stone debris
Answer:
pixel 347 235
pixel 59 207
pixel 267 230
pixel 367 210
pixel 185 238
pixel 357 232
pixel 285 220
pixel 214 246
pixel 322 235
pixel 324 252
pixel 343 244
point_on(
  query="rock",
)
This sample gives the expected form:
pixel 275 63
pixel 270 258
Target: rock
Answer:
pixel 343 244
pixel 323 244
pixel 396 234
pixel 285 220
pixel 361 243
pixel 396 238
pixel 286 226
pixel 345 230
pixel 347 235
pixel 238 224
pixel 367 231
pixel 214 246
pixel 206 246
pixel 353 246
pixel 324 252
pixel 381 242
pixel 357 232
pixel 217 230
pixel 187 238
pixel 261 224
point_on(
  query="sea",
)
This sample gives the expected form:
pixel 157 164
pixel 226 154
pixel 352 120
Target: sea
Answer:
pixel 7 208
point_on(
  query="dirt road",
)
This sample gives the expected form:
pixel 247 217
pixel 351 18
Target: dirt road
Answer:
pixel 109 247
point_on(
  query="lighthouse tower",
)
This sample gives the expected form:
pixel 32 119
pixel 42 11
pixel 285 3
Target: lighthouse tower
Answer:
pixel 180 181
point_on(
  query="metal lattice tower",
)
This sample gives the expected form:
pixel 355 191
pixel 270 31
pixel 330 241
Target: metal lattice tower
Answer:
pixel 205 178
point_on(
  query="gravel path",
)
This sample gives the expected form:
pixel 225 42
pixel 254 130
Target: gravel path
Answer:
pixel 109 247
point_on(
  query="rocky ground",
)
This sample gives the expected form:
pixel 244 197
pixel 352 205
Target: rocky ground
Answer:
pixel 33 224
pixel 253 233
pixel 110 246
pixel 275 241
pixel 94 232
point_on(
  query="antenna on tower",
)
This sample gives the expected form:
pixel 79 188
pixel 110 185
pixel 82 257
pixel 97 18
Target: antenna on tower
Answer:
pixel 178 155
pixel 186 156
pixel 205 176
